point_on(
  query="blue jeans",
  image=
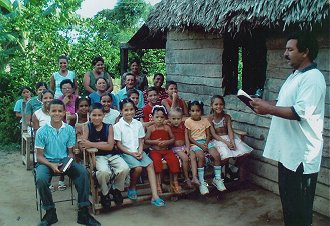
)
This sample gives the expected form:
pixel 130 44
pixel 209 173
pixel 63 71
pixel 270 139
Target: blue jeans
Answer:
pixel 297 191
pixel 76 172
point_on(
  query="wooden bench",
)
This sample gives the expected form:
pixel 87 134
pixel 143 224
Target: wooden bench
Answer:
pixel 95 197
pixel 27 150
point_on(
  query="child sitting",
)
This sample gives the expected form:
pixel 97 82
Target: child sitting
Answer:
pixel 158 82
pixel 152 97
pixel 54 142
pixel 129 134
pixel 133 95
pixel 199 135
pixel 110 115
pixel 225 141
pixel 20 105
pixel 112 170
pixel 39 119
pixel 181 146
pixel 173 99
pixel 160 136
pixel 34 103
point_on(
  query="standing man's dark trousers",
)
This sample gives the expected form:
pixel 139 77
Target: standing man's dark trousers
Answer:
pixel 297 192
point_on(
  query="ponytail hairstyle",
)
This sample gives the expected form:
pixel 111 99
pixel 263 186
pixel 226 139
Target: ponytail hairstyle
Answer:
pixel 159 108
pixel 81 99
pixel 196 103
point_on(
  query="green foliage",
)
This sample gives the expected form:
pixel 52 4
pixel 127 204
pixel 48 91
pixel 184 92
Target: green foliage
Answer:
pixel 33 33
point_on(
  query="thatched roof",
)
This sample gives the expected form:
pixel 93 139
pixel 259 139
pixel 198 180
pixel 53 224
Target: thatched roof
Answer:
pixel 238 15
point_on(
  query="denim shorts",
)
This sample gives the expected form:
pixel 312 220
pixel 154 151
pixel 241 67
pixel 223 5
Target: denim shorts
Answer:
pixel 201 141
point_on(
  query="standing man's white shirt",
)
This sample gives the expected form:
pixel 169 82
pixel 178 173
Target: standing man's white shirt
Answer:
pixel 292 142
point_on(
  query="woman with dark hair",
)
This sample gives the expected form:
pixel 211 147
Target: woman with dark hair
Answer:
pixel 57 77
pixel 98 71
pixel 141 79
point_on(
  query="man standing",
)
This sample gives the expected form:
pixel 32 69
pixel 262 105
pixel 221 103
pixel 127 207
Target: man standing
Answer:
pixel 295 134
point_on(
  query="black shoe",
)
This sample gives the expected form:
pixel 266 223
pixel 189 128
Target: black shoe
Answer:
pixel 117 197
pixel 85 218
pixel 106 201
pixel 49 218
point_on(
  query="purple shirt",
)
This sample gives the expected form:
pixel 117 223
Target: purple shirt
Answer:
pixel 71 106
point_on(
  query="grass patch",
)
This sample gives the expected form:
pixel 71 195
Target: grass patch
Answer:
pixel 10 147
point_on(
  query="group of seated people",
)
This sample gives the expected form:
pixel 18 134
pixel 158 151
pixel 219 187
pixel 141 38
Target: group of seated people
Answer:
pixel 133 130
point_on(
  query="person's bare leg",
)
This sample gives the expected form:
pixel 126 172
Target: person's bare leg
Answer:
pixel 152 181
pixel 135 174
pixel 185 164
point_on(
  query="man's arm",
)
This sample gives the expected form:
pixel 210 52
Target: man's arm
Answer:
pixel 268 107
pixel 42 160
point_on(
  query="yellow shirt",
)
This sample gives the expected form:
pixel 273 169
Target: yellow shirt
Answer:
pixel 197 128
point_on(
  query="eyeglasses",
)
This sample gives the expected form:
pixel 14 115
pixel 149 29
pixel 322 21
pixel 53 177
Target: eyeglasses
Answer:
pixel 66 88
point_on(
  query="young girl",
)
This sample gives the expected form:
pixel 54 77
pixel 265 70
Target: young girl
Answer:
pixel 129 134
pixel 181 146
pixel 160 136
pixel 40 118
pixel 110 114
pixel 20 105
pixel 112 170
pixel 199 135
pixel 225 141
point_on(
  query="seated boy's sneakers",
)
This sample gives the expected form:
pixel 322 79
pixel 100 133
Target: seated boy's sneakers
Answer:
pixel 117 196
pixel 203 188
pixel 106 201
pixel 218 183
pixel 85 218
pixel 49 218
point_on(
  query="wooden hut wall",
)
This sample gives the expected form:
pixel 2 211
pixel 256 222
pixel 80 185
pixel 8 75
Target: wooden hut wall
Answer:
pixel 264 171
pixel 193 60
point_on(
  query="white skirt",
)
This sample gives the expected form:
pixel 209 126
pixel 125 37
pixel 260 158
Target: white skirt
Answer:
pixel 241 147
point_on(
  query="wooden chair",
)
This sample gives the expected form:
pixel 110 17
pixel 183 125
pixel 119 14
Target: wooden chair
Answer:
pixel 27 150
pixel 95 192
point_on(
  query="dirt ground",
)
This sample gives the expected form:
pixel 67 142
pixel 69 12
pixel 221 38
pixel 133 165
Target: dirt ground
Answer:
pixel 240 206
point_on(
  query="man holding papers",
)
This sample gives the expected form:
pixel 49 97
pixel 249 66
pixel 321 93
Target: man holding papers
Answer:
pixel 295 134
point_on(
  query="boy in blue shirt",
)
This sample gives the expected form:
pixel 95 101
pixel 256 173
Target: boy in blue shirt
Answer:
pixel 53 142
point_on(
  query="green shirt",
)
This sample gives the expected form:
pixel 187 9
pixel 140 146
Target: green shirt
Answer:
pixel 32 105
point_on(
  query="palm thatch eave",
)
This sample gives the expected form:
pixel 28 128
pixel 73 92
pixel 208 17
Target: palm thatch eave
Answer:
pixel 235 16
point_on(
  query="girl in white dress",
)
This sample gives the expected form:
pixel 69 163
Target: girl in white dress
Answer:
pixel 224 140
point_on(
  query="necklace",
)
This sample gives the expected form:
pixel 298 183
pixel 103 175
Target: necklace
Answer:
pixel 219 124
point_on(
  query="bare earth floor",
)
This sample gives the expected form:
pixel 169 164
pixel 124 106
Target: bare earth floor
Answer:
pixel 243 206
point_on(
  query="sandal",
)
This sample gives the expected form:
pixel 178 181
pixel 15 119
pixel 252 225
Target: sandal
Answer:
pixel 132 194
pixel 158 202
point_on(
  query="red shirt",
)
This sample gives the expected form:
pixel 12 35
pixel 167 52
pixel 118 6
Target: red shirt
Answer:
pixel 161 96
pixel 180 102
pixel 147 113
pixel 179 132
